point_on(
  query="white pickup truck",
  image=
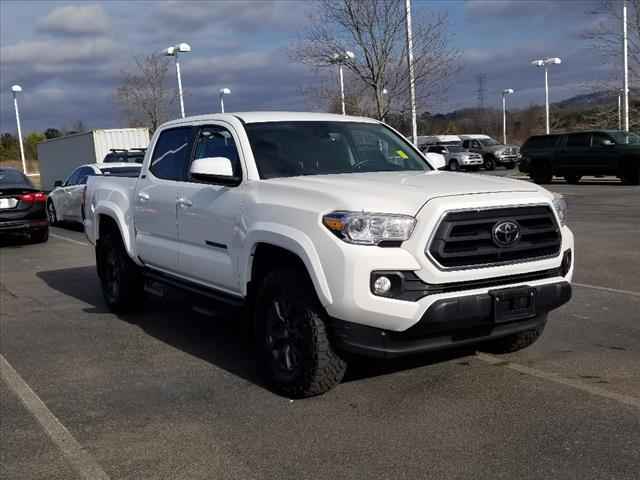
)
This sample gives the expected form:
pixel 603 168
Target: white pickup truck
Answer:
pixel 337 235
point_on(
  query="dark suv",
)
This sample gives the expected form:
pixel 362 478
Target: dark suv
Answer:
pixel 575 155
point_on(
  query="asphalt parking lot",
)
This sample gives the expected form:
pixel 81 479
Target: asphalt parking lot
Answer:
pixel 172 393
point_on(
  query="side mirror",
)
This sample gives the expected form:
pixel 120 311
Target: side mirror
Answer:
pixel 436 160
pixel 606 143
pixel 214 170
pixel 57 183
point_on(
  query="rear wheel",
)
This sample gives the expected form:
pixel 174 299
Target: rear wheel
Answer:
pixel 295 354
pixel 489 163
pixel 453 166
pixel 541 173
pixel 573 179
pixel 632 176
pixel 515 342
pixel 39 236
pixel 51 213
pixel 122 283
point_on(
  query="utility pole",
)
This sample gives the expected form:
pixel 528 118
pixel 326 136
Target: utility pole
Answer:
pixel 412 80
pixel 625 54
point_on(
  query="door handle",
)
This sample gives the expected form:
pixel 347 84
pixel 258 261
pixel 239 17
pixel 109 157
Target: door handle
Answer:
pixel 143 197
pixel 184 202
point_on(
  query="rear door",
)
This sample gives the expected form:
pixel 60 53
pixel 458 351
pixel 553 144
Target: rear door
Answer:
pixel 155 211
pixel 604 157
pixel 207 213
pixel 62 195
pixel 74 193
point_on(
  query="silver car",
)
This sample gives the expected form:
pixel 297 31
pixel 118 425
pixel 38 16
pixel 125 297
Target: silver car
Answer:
pixel 65 200
pixel 457 157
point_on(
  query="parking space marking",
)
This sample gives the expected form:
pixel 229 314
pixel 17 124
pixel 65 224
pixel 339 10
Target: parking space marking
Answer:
pixel 554 377
pixel 82 462
pixel 77 242
pixel 607 289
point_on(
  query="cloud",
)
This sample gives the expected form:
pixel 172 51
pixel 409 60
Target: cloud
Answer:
pixel 50 52
pixel 76 20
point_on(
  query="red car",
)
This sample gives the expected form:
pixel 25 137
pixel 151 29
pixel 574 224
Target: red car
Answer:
pixel 22 207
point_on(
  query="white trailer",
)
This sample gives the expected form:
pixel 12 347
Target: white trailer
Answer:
pixel 58 157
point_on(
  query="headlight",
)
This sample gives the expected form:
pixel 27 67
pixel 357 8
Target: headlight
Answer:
pixel 560 204
pixel 369 228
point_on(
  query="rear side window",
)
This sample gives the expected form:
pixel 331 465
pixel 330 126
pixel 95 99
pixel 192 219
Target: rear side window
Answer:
pixel 121 171
pixel 171 154
pixel 579 140
pixel 544 141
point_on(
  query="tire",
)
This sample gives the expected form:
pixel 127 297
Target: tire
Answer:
pixel 573 179
pixel 631 176
pixel 541 173
pixel 453 166
pixel 39 236
pixel 489 163
pixel 121 279
pixel 515 342
pixel 52 215
pixel 294 351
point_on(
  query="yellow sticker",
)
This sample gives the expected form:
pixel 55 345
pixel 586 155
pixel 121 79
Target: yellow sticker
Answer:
pixel 401 154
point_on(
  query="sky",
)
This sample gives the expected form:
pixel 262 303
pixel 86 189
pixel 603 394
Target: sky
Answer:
pixel 69 55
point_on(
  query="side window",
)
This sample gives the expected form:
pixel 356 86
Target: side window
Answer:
pixel 73 178
pixel 216 141
pixel 465 144
pixel 475 144
pixel 84 173
pixel 579 140
pixel 171 153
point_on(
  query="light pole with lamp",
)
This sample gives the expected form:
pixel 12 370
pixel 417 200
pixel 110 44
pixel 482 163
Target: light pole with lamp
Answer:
pixel 222 93
pixel 340 59
pixel 173 52
pixel 15 89
pixel 505 92
pixel 545 63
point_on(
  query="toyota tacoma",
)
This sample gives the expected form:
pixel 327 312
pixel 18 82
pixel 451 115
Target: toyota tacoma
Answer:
pixel 338 237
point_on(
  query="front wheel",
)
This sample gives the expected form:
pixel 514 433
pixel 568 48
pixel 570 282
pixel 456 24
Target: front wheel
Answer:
pixel 294 351
pixel 489 163
pixel 631 176
pixel 122 283
pixel 453 166
pixel 541 173
pixel 52 216
pixel 515 342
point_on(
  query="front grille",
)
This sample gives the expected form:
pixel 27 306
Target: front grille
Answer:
pixel 464 239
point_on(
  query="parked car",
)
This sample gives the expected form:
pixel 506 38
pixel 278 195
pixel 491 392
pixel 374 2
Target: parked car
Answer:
pixel 22 206
pixel 64 203
pixel 122 155
pixel 575 155
pixel 493 152
pixel 457 157
pixel 336 234
pixel 425 140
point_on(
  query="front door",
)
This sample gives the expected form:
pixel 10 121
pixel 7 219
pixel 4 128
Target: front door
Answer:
pixel 155 199
pixel 207 214
pixel 573 157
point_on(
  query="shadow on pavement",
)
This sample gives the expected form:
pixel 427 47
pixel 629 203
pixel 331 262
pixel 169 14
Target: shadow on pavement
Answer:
pixel 220 337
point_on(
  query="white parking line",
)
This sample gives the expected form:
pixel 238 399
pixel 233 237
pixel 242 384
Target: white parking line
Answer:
pixel 77 242
pixel 82 462
pixel 554 377
pixel 607 289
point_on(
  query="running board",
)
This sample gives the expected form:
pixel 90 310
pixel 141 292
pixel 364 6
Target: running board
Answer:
pixel 187 286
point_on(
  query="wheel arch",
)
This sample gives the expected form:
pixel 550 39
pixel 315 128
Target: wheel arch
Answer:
pixel 106 219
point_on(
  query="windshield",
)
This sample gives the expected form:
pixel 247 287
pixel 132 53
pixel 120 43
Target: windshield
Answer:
pixel 488 142
pixel 14 177
pixel 628 138
pixel 121 171
pixel 290 149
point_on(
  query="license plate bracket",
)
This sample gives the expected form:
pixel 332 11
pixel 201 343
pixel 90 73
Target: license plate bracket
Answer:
pixel 513 304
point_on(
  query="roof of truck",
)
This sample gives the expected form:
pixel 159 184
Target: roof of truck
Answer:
pixel 263 117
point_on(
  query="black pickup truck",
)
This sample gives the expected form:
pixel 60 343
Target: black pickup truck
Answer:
pixel 575 155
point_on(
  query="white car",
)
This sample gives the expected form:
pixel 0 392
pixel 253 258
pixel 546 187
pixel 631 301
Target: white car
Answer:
pixel 64 201
pixel 456 157
pixel 336 234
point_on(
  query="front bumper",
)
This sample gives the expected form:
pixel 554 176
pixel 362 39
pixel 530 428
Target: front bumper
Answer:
pixel 448 323
pixel 507 159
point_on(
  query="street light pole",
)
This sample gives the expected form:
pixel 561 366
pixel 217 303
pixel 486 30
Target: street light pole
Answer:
pixel 340 59
pixel 15 89
pixel 223 92
pixel 625 54
pixel 173 52
pixel 620 109
pixel 505 92
pixel 545 63
pixel 412 81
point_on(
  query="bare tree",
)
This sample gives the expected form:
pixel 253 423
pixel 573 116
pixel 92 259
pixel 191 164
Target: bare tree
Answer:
pixel 375 30
pixel 143 96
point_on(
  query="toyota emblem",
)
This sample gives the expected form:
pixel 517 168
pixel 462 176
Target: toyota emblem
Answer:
pixel 505 233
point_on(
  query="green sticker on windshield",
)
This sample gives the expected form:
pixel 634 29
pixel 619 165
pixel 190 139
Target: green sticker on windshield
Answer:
pixel 401 154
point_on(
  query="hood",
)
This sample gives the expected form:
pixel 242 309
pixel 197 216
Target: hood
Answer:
pixel 394 192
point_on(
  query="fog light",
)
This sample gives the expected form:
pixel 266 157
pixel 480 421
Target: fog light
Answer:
pixel 382 285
